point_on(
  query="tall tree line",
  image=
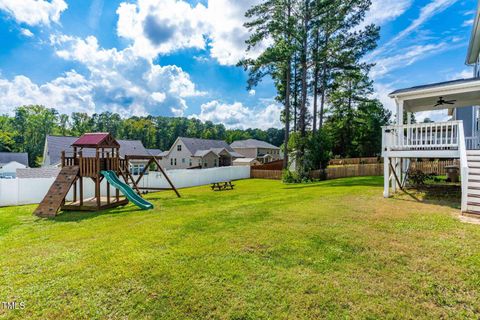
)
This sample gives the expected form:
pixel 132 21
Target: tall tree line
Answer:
pixel 26 129
pixel 313 51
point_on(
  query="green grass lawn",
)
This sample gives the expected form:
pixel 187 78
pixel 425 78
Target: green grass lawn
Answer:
pixel 333 249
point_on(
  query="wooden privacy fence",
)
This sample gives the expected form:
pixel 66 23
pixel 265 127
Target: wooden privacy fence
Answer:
pixel 348 161
pixel 266 174
pixel 437 167
pixel 358 170
pixel 274 165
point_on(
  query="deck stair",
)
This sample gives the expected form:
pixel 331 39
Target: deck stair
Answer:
pixel 55 197
pixel 473 195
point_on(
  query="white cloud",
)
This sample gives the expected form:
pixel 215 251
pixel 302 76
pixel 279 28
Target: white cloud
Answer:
pixel 397 53
pixel 252 92
pixel 69 93
pixel 409 55
pixel 159 96
pixel 237 115
pixel 382 11
pixel 467 23
pixel 34 12
pixel 381 93
pixel 163 26
pixel 227 33
pixel 126 81
pixel 434 115
pixel 200 59
pixel 426 12
pixel 116 80
pixel 95 13
pixel 26 32
pixel 464 74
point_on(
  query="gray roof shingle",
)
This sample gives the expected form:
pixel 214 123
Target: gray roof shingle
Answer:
pixel 154 152
pixel 57 144
pixel 20 157
pixel 203 153
pixel 217 151
pixel 194 144
pixel 253 143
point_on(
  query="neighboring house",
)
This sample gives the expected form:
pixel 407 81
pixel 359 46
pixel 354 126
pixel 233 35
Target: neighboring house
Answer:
pixel 10 162
pixel 188 153
pixel 261 150
pixel 54 145
pixel 246 162
pixel 457 138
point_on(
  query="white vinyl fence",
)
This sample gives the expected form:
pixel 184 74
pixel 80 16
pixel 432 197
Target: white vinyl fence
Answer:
pixel 32 190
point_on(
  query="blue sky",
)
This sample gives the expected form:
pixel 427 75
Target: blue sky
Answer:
pixel 174 57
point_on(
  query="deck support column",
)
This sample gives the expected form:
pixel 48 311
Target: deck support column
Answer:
pixel 406 162
pixel 398 161
pixel 386 177
pixel 392 179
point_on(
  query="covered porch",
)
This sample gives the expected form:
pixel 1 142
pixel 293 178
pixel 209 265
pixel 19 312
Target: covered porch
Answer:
pixel 405 140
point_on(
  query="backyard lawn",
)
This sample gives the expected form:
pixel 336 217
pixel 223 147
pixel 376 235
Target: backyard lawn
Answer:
pixel 333 249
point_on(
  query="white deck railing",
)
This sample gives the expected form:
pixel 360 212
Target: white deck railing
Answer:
pixel 433 137
pixel 421 136
pixel 472 143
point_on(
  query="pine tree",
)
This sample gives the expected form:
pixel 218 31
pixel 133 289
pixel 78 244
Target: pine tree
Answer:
pixel 349 90
pixel 272 19
pixel 342 44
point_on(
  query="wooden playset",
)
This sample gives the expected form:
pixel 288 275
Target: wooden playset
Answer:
pixel 96 157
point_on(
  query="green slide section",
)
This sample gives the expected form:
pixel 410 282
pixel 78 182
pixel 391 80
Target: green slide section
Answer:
pixel 128 192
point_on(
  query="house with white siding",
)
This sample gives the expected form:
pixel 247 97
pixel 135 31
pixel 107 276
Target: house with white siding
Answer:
pixel 10 162
pixel 189 153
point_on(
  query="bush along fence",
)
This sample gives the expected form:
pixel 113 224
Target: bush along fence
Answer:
pixel 357 170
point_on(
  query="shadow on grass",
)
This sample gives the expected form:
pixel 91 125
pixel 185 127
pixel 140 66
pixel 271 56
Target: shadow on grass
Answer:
pixel 341 182
pixel 73 216
pixel 436 194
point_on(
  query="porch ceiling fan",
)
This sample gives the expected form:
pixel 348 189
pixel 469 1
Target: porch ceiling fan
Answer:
pixel 442 101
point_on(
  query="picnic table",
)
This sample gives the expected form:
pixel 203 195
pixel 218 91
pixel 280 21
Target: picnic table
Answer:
pixel 224 185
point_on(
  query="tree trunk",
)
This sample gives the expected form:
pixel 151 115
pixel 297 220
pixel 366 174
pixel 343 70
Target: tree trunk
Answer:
pixel 303 103
pixel 324 83
pixel 295 93
pixel 315 84
pixel 287 115
pixel 287 96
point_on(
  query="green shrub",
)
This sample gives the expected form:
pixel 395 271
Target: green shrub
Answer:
pixel 418 177
pixel 290 176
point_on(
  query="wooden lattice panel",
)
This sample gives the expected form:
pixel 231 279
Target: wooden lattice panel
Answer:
pixel 55 196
